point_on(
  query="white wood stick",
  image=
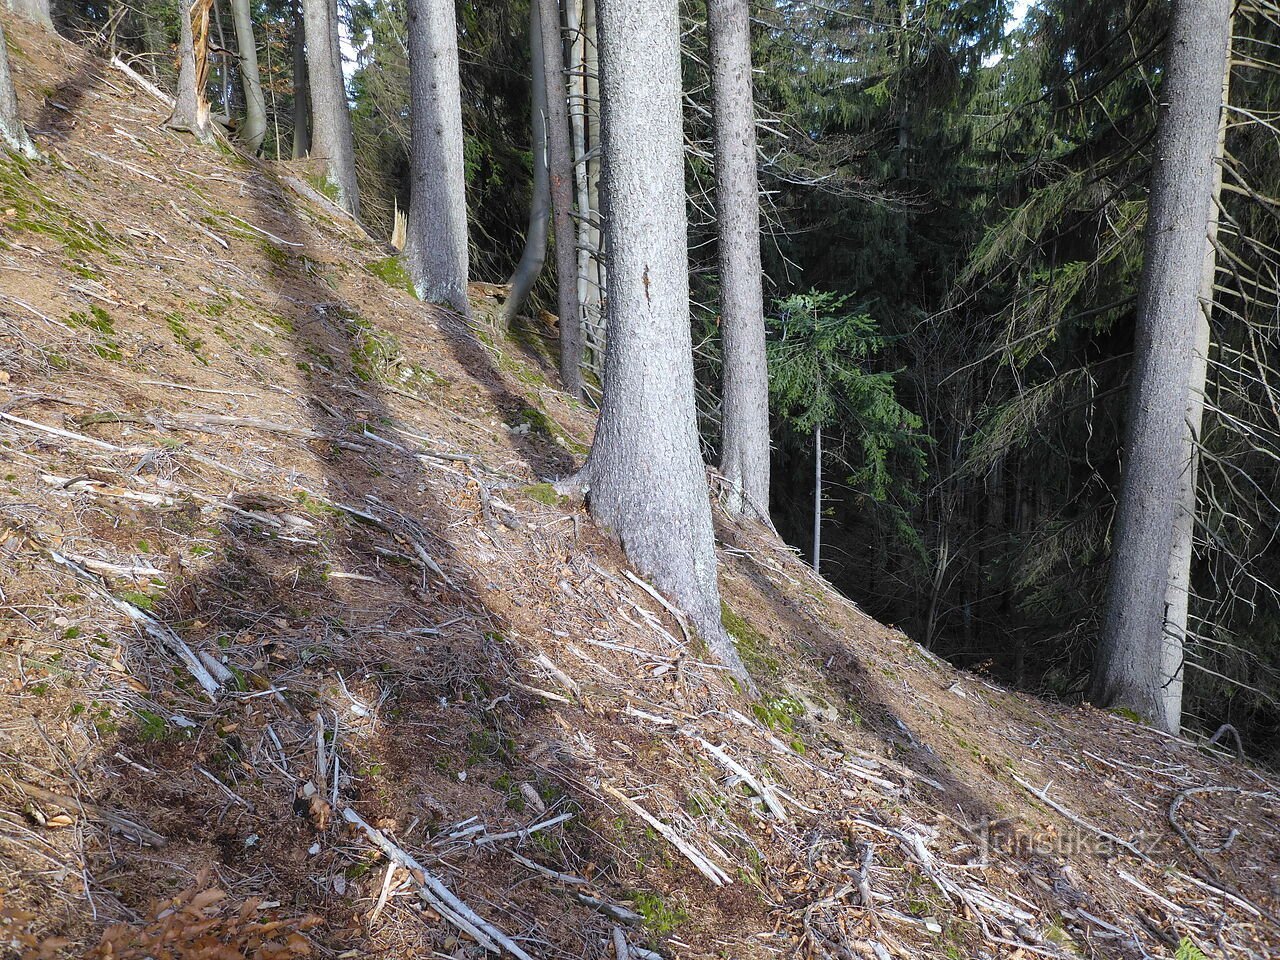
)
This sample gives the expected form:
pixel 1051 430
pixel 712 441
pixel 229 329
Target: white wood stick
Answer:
pixel 691 853
pixel 442 900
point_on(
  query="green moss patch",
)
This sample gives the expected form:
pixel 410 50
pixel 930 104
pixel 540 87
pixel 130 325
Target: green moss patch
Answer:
pixel 391 271
pixel 752 645
pixel 103 326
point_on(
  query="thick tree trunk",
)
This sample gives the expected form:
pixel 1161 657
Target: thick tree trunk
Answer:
pixel 331 137
pixel 436 245
pixel 645 475
pixel 1178 591
pixel 560 165
pixel 254 129
pixel 1128 670
pixel 535 241
pixel 37 11
pixel 744 455
pixel 190 107
pixel 12 132
pixel 301 88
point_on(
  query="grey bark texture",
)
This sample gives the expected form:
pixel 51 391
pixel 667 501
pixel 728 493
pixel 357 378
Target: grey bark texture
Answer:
pixel 534 254
pixel 190 109
pixel 254 129
pixel 744 455
pixel 1178 590
pixel 331 137
pixel 12 130
pixel 645 476
pixel 435 252
pixel 301 88
pixel 37 11
pixel 1128 664
pixel 560 166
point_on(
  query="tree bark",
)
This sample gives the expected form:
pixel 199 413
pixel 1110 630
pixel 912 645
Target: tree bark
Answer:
pixel 12 131
pixel 436 246
pixel 1178 590
pixel 535 241
pixel 1128 668
pixel 37 11
pixel 593 322
pixel 817 497
pixel 301 89
pixel 574 13
pixel 190 106
pixel 645 475
pixel 331 136
pixel 744 455
pixel 560 165
pixel 254 129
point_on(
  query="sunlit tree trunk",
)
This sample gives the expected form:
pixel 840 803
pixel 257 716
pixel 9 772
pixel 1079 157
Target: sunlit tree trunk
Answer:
pixel 191 107
pixel 1178 591
pixel 12 131
pixel 744 456
pixel 560 165
pixel 254 129
pixel 645 476
pixel 535 241
pixel 436 252
pixel 331 136
pixel 1128 671
pixel 37 11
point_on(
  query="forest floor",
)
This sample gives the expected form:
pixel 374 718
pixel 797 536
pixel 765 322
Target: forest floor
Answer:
pixel 302 655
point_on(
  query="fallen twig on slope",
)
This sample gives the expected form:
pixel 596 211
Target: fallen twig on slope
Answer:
pixel 441 899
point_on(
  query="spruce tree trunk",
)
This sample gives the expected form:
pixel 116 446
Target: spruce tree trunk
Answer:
pixel 254 129
pixel 331 137
pixel 12 131
pixel 301 89
pixel 190 108
pixel 535 241
pixel 224 77
pixel 744 455
pixel 645 474
pixel 591 313
pixel 577 76
pixel 817 498
pixel 37 11
pixel 1178 591
pixel 560 165
pixel 1128 669
pixel 436 246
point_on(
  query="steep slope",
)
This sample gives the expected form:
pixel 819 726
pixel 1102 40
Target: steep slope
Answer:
pixel 302 655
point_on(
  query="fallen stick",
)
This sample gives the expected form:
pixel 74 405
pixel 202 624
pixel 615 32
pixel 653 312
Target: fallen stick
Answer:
pixel 142 82
pixel 524 833
pixel 441 899
pixel 1080 821
pixel 116 821
pixel 733 766
pixel 64 434
pixel 691 853
pixel 675 614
